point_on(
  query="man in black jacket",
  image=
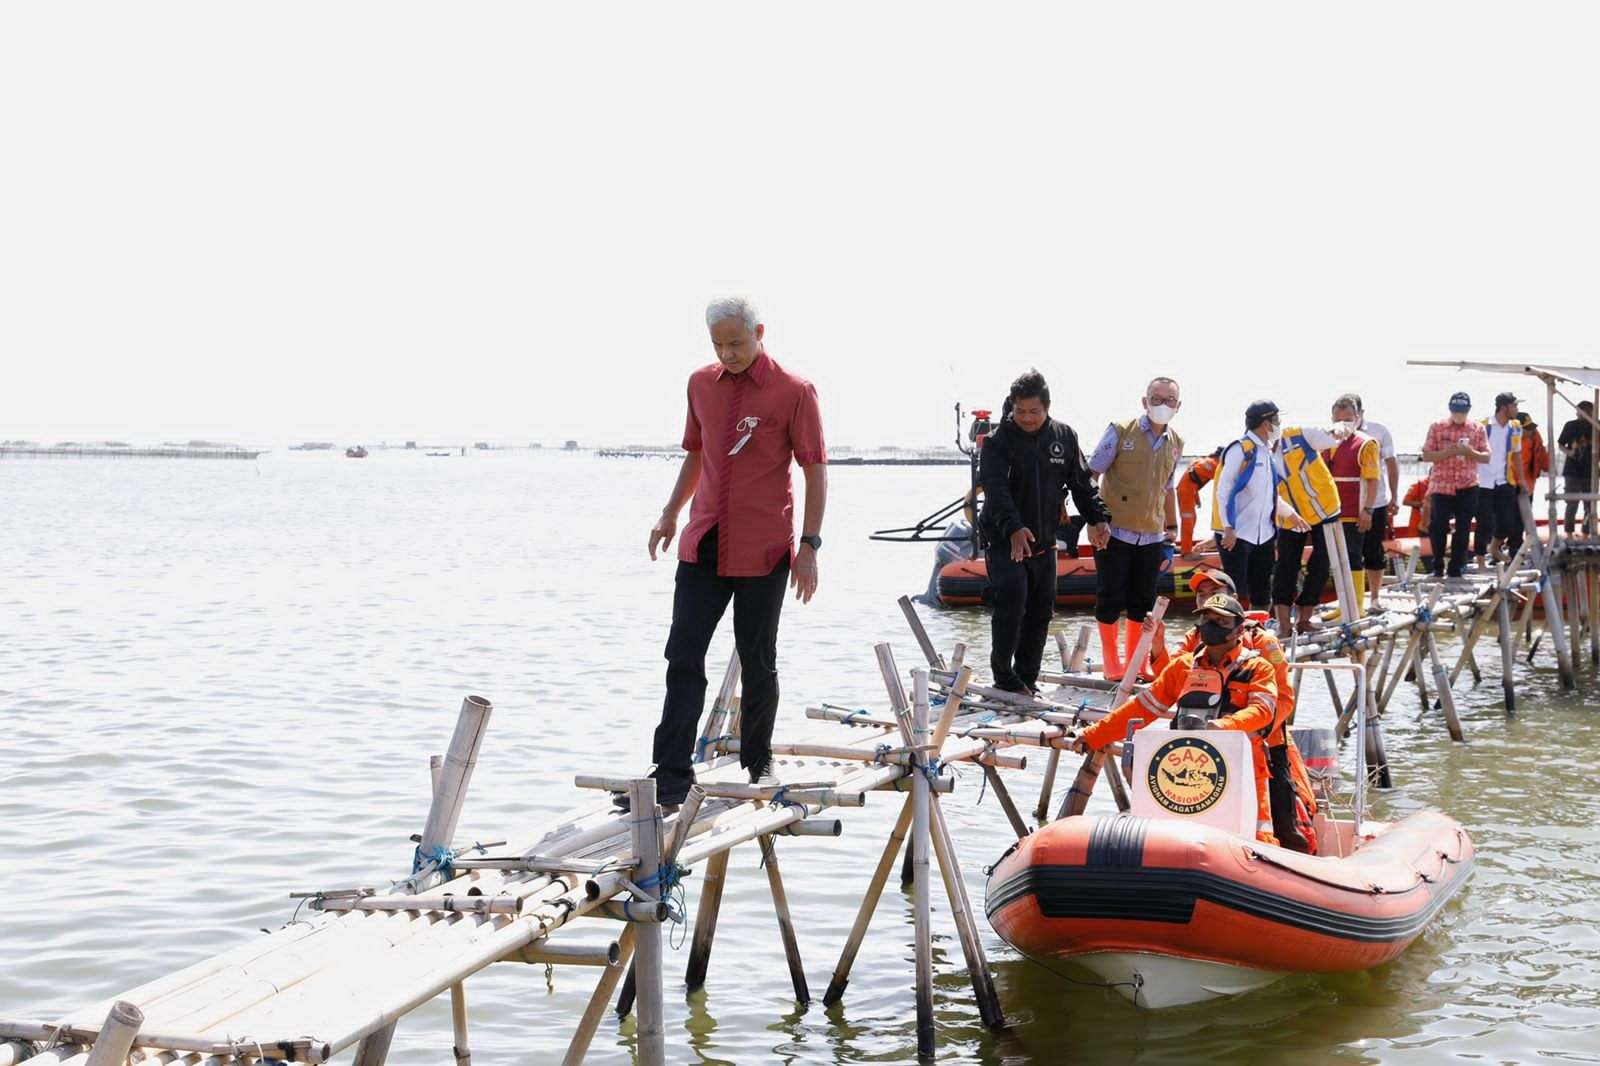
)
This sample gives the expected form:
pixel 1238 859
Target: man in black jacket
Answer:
pixel 1028 466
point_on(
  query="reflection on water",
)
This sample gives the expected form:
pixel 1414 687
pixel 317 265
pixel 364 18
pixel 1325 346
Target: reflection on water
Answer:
pixel 221 682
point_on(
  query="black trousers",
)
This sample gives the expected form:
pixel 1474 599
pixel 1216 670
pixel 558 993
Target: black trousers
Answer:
pixel 1250 566
pixel 1292 546
pixel 1373 554
pixel 1498 516
pixel 698 604
pixel 1125 577
pixel 1462 505
pixel 1024 602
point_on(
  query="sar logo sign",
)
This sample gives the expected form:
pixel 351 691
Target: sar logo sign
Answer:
pixel 1187 775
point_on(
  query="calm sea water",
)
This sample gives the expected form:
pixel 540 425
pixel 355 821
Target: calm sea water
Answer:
pixel 222 681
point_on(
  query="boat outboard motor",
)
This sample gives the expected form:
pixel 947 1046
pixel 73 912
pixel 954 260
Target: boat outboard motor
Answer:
pixel 957 545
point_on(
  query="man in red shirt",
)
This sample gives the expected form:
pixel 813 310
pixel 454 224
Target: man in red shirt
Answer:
pixel 748 419
pixel 1455 446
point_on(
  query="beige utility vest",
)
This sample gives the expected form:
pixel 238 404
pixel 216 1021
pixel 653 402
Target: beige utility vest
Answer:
pixel 1134 487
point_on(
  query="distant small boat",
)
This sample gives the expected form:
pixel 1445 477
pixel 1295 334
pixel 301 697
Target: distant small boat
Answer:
pixel 439 454
pixel 358 452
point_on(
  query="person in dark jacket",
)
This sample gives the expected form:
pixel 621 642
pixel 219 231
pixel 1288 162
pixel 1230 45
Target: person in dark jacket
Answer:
pixel 1028 466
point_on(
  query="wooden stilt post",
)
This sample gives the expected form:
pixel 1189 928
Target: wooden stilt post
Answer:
pixel 589 1024
pixel 116 1037
pixel 901 708
pixel 705 920
pixel 1594 604
pixel 1507 653
pixel 644 823
pixel 1072 663
pixel 449 794
pixel 921 897
pixel 1350 609
pixel 869 903
pixel 1407 661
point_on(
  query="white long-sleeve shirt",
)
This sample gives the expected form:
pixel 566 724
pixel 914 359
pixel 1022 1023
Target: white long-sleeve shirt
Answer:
pixel 1256 510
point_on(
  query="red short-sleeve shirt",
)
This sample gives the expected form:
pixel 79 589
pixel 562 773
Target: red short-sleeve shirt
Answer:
pixel 748 428
pixel 1449 476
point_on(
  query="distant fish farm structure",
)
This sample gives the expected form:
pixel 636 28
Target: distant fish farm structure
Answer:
pixel 123 451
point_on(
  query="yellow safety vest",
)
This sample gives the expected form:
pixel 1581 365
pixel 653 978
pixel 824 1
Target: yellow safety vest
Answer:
pixel 1309 486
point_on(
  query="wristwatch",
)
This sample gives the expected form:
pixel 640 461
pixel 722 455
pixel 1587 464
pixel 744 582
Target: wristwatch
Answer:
pixel 813 540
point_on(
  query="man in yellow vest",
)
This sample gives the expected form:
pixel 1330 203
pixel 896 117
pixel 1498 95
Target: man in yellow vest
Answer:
pixel 1313 497
pixel 1137 462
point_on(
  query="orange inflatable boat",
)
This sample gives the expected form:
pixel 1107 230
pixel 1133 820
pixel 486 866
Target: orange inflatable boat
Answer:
pixel 1173 912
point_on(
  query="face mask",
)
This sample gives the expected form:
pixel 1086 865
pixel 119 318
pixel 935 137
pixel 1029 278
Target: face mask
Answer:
pixel 1215 633
pixel 1274 434
pixel 1161 414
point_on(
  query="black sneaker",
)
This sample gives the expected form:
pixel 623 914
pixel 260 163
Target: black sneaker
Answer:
pixel 668 799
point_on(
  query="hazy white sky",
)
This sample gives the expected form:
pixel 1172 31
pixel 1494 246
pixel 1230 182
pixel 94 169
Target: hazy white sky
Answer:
pixel 356 221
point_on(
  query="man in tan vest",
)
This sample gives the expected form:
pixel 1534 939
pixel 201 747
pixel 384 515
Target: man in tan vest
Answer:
pixel 1137 462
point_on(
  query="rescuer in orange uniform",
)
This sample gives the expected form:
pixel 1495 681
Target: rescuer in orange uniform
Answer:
pixel 1228 684
pixel 1294 803
pixel 1197 477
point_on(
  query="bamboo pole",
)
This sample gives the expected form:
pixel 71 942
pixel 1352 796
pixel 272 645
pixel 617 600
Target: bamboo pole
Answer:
pixel 721 708
pixel 705 922
pixel 645 829
pixel 122 1024
pixel 922 917
pixel 540 953
pixel 1441 685
pixel 458 1024
pixel 1072 663
pixel 1551 593
pixel 444 812
pixel 589 1024
pixel 681 828
pixel 869 903
pixel 1507 652
pixel 998 787
pixel 780 906
pixel 920 632
pixel 1077 797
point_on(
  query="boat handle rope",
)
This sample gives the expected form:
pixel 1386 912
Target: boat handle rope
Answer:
pixel 1371 890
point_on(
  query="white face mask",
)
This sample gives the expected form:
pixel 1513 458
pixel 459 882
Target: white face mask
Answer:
pixel 1274 434
pixel 1161 414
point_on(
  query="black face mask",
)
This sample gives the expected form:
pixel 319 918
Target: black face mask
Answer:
pixel 1214 633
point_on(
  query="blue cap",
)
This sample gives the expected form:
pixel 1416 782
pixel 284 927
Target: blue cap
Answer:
pixel 1460 402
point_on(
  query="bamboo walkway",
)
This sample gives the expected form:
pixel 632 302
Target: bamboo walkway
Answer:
pixel 596 888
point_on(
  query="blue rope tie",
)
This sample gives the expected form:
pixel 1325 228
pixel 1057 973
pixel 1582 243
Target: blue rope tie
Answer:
pixel 666 877
pixel 780 798
pixel 936 701
pixel 1347 636
pixel 932 769
pixel 1424 615
pixel 853 715
pixel 443 859
pixel 880 751
pixel 708 742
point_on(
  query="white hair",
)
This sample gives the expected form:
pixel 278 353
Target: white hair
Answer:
pixel 720 310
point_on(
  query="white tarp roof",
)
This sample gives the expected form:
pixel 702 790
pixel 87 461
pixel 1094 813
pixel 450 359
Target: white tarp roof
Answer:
pixel 1587 376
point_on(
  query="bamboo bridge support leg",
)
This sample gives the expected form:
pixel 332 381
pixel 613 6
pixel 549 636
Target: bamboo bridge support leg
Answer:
pixel 1385 660
pixel 645 826
pixel 869 903
pixel 1441 685
pixel 116 1037
pixel 1072 662
pixel 780 904
pixel 1350 608
pixel 1407 661
pixel 589 1024
pixel 1594 630
pixel 998 787
pixel 921 901
pixel 955 891
pixel 1551 594
pixel 458 1022
pixel 1575 613
pixel 1508 654
pixel 449 793
pixel 920 632
pixel 705 920
pixel 687 813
